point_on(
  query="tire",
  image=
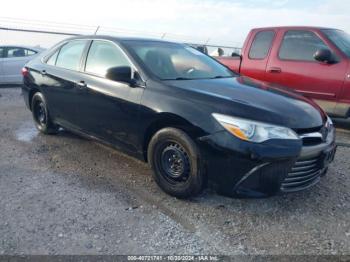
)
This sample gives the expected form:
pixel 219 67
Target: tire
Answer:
pixel 41 115
pixel 176 162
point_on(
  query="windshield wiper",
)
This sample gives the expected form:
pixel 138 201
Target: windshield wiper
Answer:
pixel 186 78
pixel 179 78
pixel 216 77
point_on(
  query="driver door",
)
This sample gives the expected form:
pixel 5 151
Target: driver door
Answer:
pixel 292 64
pixel 108 109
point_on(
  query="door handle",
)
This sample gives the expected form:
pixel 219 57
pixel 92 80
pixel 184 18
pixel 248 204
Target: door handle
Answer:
pixel 81 84
pixel 43 73
pixel 275 70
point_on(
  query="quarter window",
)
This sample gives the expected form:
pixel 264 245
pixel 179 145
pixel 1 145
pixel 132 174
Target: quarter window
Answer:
pixel 261 45
pixel 300 45
pixel 30 52
pixel 70 55
pixel 52 59
pixel 103 56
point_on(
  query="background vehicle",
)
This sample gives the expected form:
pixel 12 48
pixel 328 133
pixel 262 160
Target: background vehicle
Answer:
pixel 187 115
pixel 312 61
pixel 12 60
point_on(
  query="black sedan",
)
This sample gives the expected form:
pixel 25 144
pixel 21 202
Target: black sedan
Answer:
pixel 188 116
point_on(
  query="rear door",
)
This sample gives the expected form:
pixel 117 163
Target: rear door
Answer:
pixel 256 55
pixel 59 81
pixel 15 58
pixel 292 64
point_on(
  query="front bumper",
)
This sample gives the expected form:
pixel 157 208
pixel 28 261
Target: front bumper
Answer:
pixel 309 167
pixel 244 169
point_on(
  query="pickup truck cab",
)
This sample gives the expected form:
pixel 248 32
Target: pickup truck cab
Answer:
pixel 312 61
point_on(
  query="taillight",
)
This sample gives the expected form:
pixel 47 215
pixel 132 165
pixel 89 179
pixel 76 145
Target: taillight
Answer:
pixel 25 72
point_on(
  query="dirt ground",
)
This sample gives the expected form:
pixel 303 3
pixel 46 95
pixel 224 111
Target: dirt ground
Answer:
pixel 66 195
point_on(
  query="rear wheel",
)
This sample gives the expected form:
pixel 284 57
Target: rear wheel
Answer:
pixel 175 160
pixel 41 115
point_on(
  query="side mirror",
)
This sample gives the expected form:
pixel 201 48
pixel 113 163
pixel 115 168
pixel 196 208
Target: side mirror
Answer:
pixel 120 74
pixel 324 56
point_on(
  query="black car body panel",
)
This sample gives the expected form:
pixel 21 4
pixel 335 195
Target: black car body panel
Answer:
pixel 127 116
pixel 246 98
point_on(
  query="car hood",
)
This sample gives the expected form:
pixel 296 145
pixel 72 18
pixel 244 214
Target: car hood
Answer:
pixel 255 100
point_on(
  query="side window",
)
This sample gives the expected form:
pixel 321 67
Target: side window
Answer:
pixel 2 52
pixel 70 55
pixel 261 45
pixel 53 58
pixel 15 52
pixel 300 45
pixel 103 56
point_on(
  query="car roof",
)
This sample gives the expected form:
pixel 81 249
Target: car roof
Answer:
pixel 118 39
pixel 35 48
pixel 293 27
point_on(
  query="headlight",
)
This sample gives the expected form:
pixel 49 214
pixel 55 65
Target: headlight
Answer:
pixel 329 124
pixel 330 127
pixel 254 131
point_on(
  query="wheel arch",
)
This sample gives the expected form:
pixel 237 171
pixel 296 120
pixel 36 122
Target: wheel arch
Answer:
pixel 32 92
pixel 165 120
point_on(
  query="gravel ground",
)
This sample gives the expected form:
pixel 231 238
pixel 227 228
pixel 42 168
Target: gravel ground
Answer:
pixel 67 195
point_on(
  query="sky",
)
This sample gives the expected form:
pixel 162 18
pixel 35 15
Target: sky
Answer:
pixel 223 22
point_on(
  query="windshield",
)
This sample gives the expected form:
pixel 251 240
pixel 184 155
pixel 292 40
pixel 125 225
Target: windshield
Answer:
pixel 340 38
pixel 171 61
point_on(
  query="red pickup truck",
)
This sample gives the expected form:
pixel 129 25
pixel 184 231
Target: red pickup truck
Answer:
pixel 312 61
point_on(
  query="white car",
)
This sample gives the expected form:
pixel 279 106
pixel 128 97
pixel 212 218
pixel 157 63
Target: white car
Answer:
pixel 12 60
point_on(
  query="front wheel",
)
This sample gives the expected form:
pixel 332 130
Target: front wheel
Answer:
pixel 175 160
pixel 41 115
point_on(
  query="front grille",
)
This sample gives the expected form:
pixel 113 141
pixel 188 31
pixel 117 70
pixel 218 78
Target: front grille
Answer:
pixel 301 131
pixel 312 141
pixel 313 136
pixel 305 173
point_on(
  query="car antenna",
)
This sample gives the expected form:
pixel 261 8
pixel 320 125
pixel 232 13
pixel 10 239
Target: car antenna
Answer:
pixel 98 27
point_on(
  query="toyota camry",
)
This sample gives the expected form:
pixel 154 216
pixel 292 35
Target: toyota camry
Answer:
pixel 191 118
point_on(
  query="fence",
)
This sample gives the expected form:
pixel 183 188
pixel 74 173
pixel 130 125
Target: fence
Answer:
pixel 46 33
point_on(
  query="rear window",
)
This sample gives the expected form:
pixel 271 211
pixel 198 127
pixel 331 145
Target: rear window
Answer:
pixel 261 45
pixel 300 45
pixel 70 55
